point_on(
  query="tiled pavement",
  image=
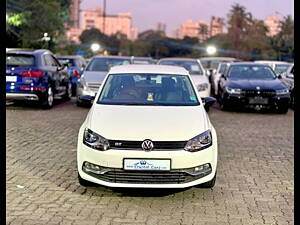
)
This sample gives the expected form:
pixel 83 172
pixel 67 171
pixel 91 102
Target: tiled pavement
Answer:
pixel 255 181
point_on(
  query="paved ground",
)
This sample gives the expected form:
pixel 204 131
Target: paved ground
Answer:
pixel 255 182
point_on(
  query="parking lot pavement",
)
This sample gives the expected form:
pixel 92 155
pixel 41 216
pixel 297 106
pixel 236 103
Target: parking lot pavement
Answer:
pixel 255 180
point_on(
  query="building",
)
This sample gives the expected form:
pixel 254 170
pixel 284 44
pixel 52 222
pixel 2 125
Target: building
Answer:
pixel 73 34
pixel 74 13
pixel 161 27
pixel 216 26
pixel 110 24
pixel 196 29
pixel 273 24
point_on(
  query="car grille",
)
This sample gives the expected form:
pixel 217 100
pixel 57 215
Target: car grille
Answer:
pixel 147 177
pixel 263 93
pixel 94 86
pixel 137 145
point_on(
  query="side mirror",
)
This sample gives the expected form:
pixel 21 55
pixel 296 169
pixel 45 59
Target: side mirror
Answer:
pixel 208 102
pixel 223 76
pixel 87 98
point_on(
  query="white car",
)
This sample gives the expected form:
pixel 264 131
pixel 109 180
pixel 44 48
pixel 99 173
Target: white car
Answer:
pixel 148 128
pixel 278 66
pixel 196 70
pixel 215 77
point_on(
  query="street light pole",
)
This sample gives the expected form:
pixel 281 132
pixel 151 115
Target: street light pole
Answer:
pixel 104 9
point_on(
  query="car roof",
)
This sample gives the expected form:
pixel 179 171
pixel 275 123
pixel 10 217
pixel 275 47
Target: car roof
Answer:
pixel 218 58
pixel 156 69
pixel 178 59
pixel 247 64
pixel 69 56
pixel 270 61
pixel 113 57
pixel 28 51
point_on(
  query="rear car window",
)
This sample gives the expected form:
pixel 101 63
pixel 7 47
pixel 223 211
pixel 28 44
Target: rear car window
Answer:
pixel 20 60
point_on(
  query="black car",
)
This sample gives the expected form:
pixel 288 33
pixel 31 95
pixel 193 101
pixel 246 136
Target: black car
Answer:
pixel 252 85
pixel 36 76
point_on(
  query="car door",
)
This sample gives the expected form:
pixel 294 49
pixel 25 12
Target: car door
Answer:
pixel 63 75
pixel 51 68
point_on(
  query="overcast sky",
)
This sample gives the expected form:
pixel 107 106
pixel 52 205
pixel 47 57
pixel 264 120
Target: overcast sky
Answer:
pixel 147 13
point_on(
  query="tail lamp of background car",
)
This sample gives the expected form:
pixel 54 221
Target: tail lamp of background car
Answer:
pixel 76 74
pixel 200 142
pixel 32 73
pixel 95 141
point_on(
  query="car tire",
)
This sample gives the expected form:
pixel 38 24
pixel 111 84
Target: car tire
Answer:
pixel 84 183
pixel 67 96
pixel 49 99
pixel 209 184
pixel 223 105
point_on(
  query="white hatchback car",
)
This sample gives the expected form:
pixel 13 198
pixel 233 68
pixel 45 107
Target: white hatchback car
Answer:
pixel 148 128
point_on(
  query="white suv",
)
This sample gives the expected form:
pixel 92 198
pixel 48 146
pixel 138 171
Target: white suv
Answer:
pixel 148 128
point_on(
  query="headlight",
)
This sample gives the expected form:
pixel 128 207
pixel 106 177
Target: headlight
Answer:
pixel 199 142
pixel 233 90
pixel 202 87
pixel 282 92
pixel 94 140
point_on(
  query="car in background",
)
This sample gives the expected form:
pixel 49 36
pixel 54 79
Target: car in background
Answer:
pixel 93 76
pixel 197 72
pixel 75 64
pixel 215 77
pixel 288 81
pixel 278 66
pixel 148 128
pixel 36 76
pixel 211 64
pixel 252 85
pixel 142 60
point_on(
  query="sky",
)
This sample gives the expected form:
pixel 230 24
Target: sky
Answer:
pixel 147 13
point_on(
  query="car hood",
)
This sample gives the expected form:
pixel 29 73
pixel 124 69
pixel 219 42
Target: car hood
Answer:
pixel 137 123
pixel 94 76
pixel 253 84
pixel 199 79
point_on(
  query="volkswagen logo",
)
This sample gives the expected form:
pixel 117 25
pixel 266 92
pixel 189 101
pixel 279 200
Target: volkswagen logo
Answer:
pixel 147 145
pixel 257 88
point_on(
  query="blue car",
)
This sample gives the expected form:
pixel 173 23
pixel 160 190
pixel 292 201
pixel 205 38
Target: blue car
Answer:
pixel 76 65
pixel 36 76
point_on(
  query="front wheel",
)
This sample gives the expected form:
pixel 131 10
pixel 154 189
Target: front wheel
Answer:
pixel 48 103
pixel 283 110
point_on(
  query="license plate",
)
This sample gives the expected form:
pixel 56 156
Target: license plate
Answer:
pixel 11 78
pixel 258 101
pixel 147 164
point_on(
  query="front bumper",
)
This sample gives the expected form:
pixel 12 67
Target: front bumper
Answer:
pixel 113 161
pixel 235 100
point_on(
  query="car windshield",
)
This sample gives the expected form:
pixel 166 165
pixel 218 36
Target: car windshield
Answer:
pixel 281 68
pixel 222 68
pixel 210 64
pixel 251 72
pixel 104 64
pixel 19 60
pixel 70 62
pixel 193 67
pixel 148 89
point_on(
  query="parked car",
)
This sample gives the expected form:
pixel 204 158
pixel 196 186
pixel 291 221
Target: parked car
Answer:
pixel 278 66
pixel 288 81
pixel 142 60
pixel 211 64
pixel 93 76
pixel 252 85
pixel 37 76
pixel 215 78
pixel 196 71
pixel 148 128
pixel 76 65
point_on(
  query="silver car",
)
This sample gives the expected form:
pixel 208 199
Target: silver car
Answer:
pixel 94 74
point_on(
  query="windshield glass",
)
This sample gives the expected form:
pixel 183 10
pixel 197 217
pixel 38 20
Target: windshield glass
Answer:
pixel 222 68
pixel 193 67
pixel 281 68
pixel 251 72
pixel 104 64
pixel 148 89
pixel 70 62
pixel 19 60
pixel 210 64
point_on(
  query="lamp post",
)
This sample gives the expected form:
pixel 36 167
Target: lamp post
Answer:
pixel 95 47
pixel 211 50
